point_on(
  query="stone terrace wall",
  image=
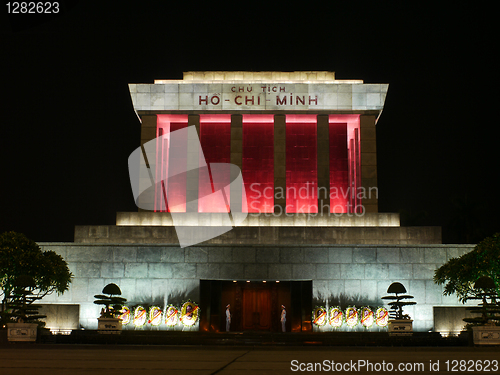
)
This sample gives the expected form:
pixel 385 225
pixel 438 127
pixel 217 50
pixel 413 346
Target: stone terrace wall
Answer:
pixel 162 274
pixel 262 235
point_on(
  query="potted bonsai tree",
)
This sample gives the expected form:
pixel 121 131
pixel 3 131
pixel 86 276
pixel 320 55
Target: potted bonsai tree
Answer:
pixel 109 322
pixel 485 328
pixel 399 323
pixel 21 313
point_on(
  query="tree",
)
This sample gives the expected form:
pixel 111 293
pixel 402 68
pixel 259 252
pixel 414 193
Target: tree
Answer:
pixel 460 274
pixel 398 290
pixel 110 300
pixel 489 310
pixel 22 309
pixel 20 256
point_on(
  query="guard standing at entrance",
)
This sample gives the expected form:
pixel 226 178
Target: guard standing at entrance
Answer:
pixel 228 317
pixel 283 318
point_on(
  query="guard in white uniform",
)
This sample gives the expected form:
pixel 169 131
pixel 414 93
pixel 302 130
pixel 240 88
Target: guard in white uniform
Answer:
pixel 283 318
pixel 228 317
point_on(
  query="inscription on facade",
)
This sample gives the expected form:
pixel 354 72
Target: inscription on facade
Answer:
pixel 251 95
pixel 258 96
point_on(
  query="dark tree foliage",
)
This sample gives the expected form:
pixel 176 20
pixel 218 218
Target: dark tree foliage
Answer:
pixel 460 274
pixel 21 307
pixel 489 308
pixel 20 256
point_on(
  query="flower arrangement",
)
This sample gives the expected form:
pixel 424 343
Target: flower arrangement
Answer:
pixel 171 315
pixel 125 315
pixel 155 316
pixel 336 317
pixel 366 317
pixel 319 316
pixel 189 313
pixel 139 316
pixel 351 316
pixel 381 317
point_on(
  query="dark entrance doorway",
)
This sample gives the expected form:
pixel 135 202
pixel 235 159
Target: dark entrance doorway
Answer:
pixel 256 308
pixel 255 305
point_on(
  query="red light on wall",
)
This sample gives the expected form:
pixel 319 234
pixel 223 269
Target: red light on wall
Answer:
pixel 339 168
pixel 258 162
pixel 345 164
pixel 177 165
pixel 215 140
pixel 309 119
pixel 174 187
pixel 266 119
pixel 301 164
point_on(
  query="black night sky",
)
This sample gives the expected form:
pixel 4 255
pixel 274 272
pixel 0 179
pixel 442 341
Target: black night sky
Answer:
pixel 68 125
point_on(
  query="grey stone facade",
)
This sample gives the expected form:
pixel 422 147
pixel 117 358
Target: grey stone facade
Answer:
pixel 261 235
pixel 161 274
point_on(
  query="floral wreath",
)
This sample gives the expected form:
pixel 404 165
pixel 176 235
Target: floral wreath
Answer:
pixel 335 317
pixel 366 317
pixel 171 315
pixel 382 317
pixel 351 316
pixel 124 315
pixel 319 316
pixel 189 313
pixel 139 316
pixel 154 316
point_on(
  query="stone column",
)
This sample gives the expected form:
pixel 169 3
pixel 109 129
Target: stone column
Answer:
pixel 369 162
pixel 236 159
pixel 323 165
pixel 280 162
pixel 193 162
pixel 148 128
pixel 148 133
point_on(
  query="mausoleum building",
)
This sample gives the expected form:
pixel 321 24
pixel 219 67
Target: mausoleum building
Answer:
pixel 256 189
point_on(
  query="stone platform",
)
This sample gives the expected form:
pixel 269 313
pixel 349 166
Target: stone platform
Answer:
pixel 267 235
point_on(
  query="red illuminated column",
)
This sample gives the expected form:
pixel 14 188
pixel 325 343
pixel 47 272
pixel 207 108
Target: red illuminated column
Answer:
pixel 301 164
pixel 177 169
pixel 215 140
pixel 345 168
pixel 170 183
pixel 161 168
pixel 339 168
pixel 258 162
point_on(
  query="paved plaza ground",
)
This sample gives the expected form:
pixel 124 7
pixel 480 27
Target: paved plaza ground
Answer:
pixel 19 359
